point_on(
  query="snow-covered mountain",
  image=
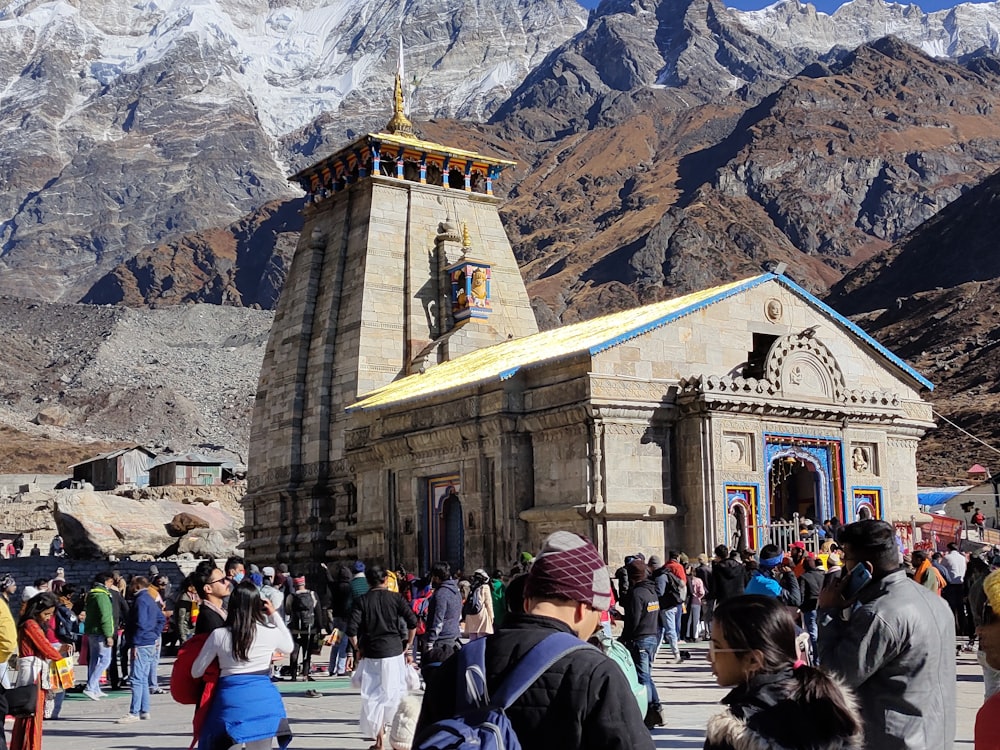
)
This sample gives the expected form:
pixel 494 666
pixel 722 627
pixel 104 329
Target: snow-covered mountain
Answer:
pixel 300 58
pixel 126 123
pixel 123 123
pixel 957 31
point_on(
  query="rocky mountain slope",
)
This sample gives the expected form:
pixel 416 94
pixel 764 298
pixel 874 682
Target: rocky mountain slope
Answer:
pixel 124 125
pixel 934 297
pixel 184 376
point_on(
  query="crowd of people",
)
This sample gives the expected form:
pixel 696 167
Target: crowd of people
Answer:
pixel 850 647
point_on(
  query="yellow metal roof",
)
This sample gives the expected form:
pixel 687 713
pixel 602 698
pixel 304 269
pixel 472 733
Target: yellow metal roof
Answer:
pixel 501 361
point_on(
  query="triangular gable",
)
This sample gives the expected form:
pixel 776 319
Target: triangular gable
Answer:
pixel 504 360
pixel 853 327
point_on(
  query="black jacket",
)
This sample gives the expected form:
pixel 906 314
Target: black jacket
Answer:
pixel 727 580
pixel 341 597
pixel 642 611
pixel 770 712
pixel 811 583
pixel 378 619
pixel 582 702
pixel 704 572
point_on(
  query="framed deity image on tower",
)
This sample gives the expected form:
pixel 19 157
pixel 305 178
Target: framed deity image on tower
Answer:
pixel 742 512
pixel 867 503
pixel 444 524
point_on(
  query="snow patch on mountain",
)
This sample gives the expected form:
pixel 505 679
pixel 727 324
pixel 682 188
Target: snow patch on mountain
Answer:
pixel 953 32
pixel 304 58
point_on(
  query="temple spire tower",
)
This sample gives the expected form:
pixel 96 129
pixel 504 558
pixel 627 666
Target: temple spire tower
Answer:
pixel 399 124
pixel 383 284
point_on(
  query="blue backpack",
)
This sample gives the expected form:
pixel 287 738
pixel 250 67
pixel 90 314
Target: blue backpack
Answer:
pixel 480 722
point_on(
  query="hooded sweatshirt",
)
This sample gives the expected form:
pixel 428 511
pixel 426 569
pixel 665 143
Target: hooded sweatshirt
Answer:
pixel 727 579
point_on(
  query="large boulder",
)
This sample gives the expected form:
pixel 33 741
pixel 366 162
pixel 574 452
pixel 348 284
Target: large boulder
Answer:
pixel 95 525
pixel 209 543
pixel 184 522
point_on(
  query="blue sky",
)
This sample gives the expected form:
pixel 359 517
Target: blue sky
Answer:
pixel 826 6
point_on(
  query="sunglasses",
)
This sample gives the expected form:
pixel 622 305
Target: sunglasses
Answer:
pixel 218 580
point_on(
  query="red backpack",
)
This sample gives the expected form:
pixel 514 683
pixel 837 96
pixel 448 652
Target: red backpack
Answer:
pixel 420 606
pixel 183 687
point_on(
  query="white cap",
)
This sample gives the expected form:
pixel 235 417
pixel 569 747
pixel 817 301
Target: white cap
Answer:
pixel 268 571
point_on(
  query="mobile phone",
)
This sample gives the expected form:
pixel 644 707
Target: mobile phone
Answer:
pixel 858 578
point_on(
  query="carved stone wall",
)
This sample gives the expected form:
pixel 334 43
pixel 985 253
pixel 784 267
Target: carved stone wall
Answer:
pixel 354 309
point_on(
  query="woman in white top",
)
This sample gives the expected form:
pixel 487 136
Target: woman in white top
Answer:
pixel 246 710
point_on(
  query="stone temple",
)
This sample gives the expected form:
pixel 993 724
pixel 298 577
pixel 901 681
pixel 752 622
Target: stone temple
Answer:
pixel 409 410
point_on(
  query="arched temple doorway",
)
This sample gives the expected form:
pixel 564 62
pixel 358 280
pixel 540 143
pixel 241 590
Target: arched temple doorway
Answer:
pixel 453 532
pixel 804 477
pixel 794 488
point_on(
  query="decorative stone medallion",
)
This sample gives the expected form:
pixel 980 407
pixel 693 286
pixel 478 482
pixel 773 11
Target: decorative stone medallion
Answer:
pixel 773 310
pixel 736 450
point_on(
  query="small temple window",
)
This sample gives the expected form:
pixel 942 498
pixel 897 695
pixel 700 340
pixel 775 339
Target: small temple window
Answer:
pixel 756 357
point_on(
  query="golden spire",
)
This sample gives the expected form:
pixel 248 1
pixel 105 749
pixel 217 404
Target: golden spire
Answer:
pixel 466 240
pixel 399 123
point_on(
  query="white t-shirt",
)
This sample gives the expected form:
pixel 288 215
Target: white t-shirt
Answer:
pixel 269 638
pixel 955 563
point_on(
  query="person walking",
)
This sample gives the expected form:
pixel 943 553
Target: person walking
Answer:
pixel 776 701
pixel 304 619
pixel 383 650
pixel 478 609
pixel 890 640
pixel 728 576
pixel 444 613
pixel 119 666
pixel 670 590
pixel 246 706
pixel 64 629
pixel 34 654
pixel 641 633
pixel 696 594
pixel 99 627
pixel 811 583
pixel 142 633
pixel 979 521
pixel 341 603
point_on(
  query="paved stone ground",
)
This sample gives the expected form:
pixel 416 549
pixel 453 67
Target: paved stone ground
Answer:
pixel 330 722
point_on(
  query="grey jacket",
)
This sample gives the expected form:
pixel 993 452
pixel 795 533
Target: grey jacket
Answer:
pixel 897 652
pixel 444 614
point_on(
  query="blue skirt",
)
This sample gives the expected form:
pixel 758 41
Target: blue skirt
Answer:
pixel 245 707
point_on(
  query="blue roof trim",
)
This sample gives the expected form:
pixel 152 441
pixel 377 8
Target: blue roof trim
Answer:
pixel 855 329
pixel 507 374
pixel 653 325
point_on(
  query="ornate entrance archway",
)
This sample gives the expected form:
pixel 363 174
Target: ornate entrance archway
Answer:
pixel 804 477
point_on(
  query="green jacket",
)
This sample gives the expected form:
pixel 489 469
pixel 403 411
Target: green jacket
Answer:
pixel 100 617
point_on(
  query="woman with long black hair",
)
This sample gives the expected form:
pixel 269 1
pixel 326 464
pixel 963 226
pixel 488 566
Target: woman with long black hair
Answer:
pixel 777 700
pixel 34 654
pixel 246 710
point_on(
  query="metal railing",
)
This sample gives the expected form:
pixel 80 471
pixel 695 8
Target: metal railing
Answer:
pixel 783 533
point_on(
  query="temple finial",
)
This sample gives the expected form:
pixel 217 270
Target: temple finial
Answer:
pixel 399 123
pixel 466 240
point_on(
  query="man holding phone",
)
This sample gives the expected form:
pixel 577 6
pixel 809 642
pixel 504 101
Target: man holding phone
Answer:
pixel 892 641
